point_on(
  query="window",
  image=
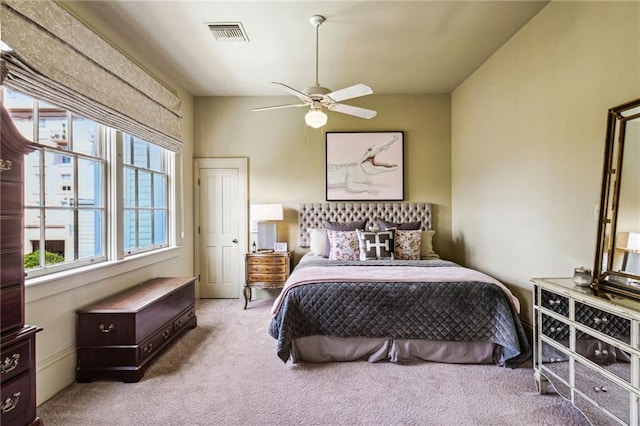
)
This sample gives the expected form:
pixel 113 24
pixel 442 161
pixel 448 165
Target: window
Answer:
pixel 145 195
pixel 67 190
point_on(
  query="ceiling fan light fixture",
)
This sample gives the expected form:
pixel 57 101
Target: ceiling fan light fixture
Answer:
pixel 315 118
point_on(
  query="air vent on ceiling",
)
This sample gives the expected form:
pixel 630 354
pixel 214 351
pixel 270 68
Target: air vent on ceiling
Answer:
pixel 228 31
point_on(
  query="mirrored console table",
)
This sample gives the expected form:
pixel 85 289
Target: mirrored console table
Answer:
pixel 588 349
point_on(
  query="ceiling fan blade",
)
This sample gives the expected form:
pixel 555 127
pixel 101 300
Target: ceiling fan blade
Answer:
pixel 352 110
pixel 303 96
pixel 350 92
pixel 278 107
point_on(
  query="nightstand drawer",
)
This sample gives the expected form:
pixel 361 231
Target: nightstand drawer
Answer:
pixel 268 277
pixel 267 260
pixel 267 269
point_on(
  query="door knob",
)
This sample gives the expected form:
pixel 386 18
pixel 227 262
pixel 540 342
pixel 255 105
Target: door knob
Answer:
pixel 234 241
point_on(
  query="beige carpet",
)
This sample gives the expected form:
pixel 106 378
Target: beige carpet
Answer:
pixel 226 372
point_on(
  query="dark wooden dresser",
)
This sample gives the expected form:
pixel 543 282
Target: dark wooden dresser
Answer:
pixel 17 340
pixel 119 336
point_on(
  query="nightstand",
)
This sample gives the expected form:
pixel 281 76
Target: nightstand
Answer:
pixel 265 270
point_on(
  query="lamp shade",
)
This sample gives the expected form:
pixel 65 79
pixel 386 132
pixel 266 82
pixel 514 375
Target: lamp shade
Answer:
pixel 266 212
pixel 315 118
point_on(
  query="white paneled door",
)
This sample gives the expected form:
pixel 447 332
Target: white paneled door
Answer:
pixel 221 224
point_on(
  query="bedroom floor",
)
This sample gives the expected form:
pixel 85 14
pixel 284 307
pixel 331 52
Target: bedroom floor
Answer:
pixel 226 372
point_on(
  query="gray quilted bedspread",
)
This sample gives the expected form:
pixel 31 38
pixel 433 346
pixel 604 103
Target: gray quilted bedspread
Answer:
pixel 442 311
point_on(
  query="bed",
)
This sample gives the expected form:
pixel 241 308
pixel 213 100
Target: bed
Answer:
pixel 372 288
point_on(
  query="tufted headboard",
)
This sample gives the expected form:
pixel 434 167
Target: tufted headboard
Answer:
pixel 311 215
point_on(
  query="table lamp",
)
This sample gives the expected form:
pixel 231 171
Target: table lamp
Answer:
pixel 265 215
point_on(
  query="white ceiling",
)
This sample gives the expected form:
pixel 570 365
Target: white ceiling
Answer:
pixel 396 47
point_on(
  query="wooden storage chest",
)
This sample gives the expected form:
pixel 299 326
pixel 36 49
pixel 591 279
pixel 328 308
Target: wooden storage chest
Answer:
pixel 118 337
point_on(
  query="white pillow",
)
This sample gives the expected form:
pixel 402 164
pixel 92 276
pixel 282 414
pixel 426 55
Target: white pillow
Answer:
pixel 318 242
pixel 426 245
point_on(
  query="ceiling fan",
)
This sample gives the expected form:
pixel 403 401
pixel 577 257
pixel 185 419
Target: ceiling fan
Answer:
pixel 317 96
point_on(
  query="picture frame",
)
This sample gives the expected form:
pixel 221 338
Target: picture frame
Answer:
pixel 367 166
pixel 280 247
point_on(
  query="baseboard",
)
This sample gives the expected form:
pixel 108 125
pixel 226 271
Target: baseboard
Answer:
pixel 55 373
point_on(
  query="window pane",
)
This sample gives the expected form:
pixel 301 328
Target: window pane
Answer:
pixel 59 233
pixel 31 235
pixel 52 126
pixel 58 191
pixel 145 232
pixel 129 187
pixel 144 189
pixel 32 174
pixel 159 191
pixel 160 227
pixel 140 153
pixel 84 136
pixel 155 158
pixel 129 229
pixel 89 233
pixel 89 183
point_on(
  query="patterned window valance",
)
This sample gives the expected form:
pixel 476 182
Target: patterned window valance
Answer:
pixel 59 59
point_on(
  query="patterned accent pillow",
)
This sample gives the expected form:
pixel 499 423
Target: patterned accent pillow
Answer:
pixel 342 226
pixel 376 245
pixel 343 245
pixel 408 244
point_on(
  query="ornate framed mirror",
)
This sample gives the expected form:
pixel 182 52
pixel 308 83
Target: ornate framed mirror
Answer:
pixel 617 263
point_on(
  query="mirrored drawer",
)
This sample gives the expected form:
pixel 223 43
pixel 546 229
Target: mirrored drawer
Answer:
pixel 555 361
pixel 595 415
pixel 607 356
pixel 604 322
pixel 556 329
pixel 604 392
pixel 555 302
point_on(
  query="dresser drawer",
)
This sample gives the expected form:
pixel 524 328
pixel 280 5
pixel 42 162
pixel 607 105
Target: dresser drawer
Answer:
pixel 15 360
pixel 602 391
pixel 12 308
pixel 267 260
pixel 12 266
pixel 604 322
pixel 555 302
pixel 15 403
pixel 556 329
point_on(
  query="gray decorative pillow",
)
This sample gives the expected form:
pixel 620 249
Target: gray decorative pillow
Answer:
pixel 376 245
pixel 409 226
pixel 342 226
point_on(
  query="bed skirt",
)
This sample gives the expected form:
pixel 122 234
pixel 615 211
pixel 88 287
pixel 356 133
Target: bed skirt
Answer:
pixel 319 349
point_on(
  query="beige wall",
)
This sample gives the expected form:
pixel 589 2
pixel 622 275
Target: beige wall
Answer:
pixel 528 141
pixel 287 159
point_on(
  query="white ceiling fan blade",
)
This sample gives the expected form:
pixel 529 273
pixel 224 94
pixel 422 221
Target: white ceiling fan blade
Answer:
pixel 278 107
pixel 303 96
pixel 352 110
pixel 350 92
